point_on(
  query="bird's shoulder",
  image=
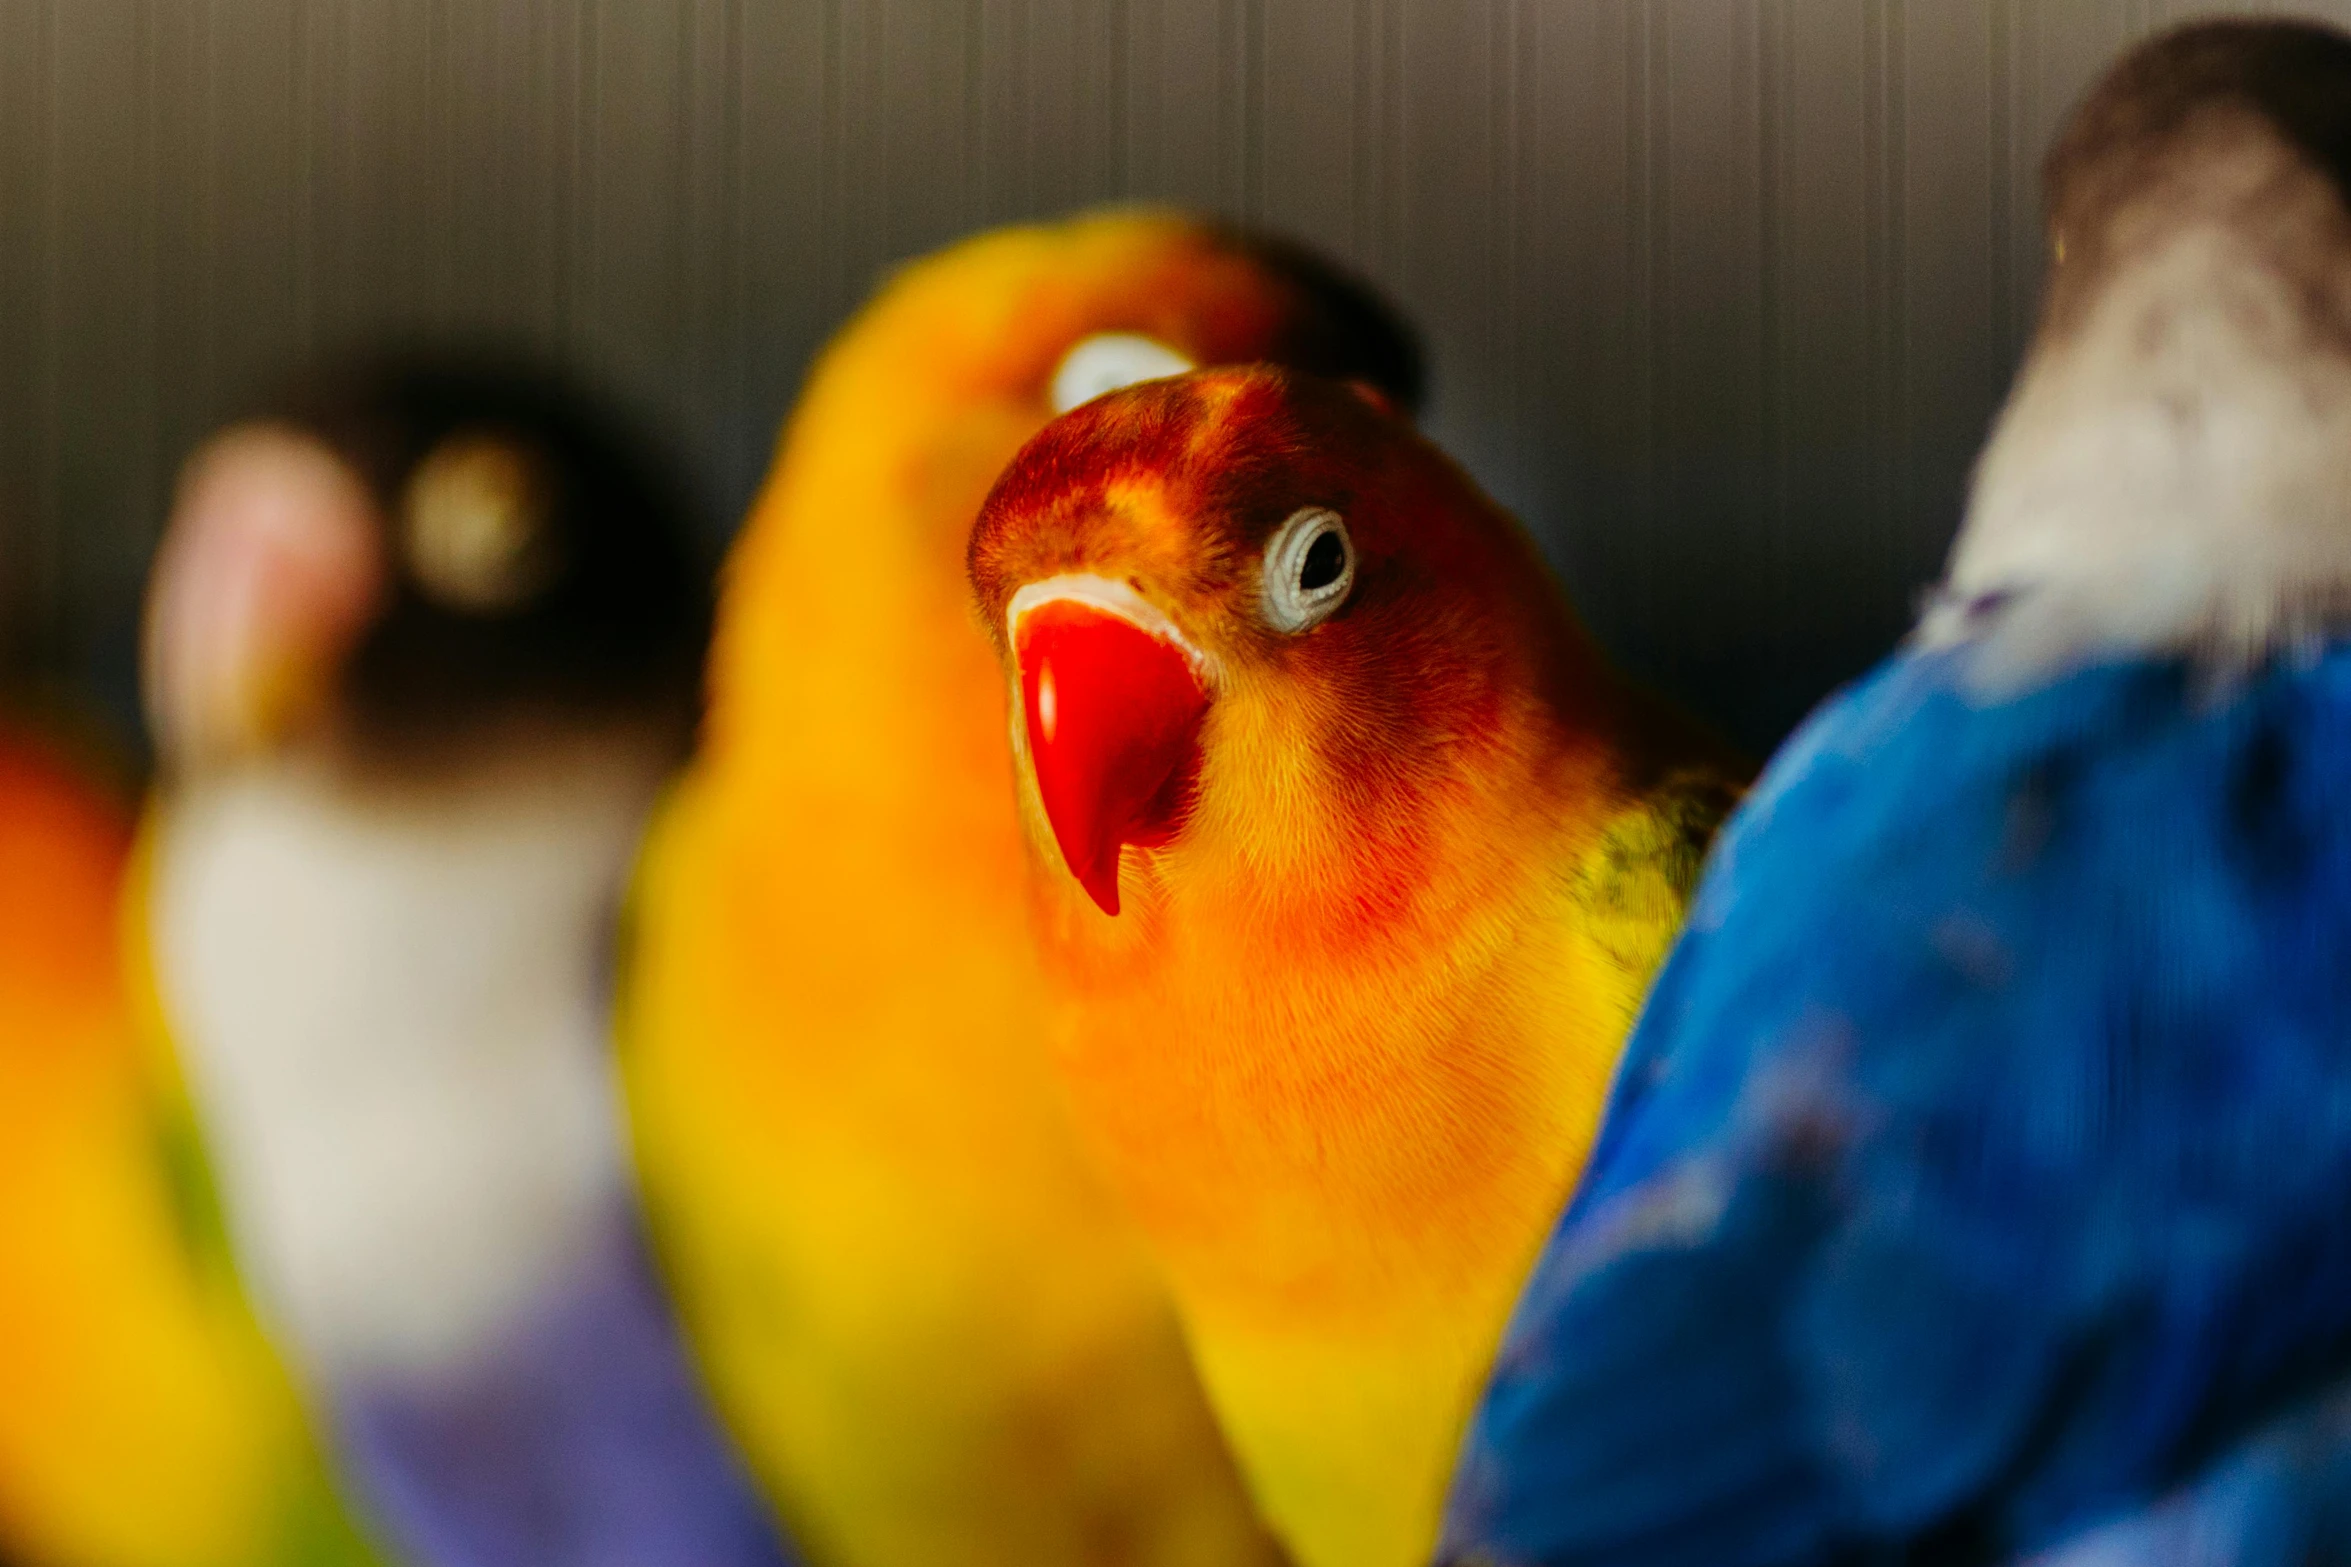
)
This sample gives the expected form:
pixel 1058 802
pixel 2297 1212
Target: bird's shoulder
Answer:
pixel 1623 878
pixel 1928 895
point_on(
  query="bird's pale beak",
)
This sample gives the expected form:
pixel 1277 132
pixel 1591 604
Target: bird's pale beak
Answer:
pixel 1114 715
pixel 269 570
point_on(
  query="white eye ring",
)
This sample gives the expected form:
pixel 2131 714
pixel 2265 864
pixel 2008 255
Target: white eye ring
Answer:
pixel 1292 556
pixel 1109 360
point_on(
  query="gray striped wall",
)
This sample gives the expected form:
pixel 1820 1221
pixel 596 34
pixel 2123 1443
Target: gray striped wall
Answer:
pixel 1721 292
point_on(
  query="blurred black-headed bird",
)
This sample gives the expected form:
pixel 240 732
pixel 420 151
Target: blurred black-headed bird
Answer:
pixel 421 649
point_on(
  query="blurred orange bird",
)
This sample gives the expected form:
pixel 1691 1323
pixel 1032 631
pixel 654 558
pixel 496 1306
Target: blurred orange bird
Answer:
pixel 935 1333
pixel 146 1423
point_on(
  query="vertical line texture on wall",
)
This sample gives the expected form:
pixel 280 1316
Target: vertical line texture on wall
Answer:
pixel 1721 293
pixel 1768 383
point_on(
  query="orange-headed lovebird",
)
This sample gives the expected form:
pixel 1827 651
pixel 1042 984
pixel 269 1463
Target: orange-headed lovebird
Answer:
pixel 145 1421
pixel 422 647
pixel 932 1328
pixel 1352 859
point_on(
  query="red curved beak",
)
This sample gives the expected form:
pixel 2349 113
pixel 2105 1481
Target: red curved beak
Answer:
pixel 1113 723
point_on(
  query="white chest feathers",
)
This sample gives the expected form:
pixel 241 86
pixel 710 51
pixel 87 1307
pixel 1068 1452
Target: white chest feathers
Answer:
pixel 394 1019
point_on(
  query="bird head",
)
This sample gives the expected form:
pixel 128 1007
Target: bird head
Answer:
pixel 1252 618
pixel 2173 468
pixel 964 354
pixel 852 563
pixel 1140 295
pixel 1053 315
pixel 409 556
pixel 2229 132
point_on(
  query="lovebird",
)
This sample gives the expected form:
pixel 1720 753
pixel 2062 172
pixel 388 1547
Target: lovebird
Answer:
pixel 1978 1183
pixel 1350 860
pixel 146 1421
pixel 422 646
pixel 936 1335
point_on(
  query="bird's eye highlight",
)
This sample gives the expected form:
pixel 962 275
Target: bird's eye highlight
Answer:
pixel 1309 566
pixel 474 525
pixel 1109 360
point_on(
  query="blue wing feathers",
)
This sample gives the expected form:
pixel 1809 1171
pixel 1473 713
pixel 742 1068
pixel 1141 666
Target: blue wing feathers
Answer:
pixel 2040 1013
pixel 1701 1467
pixel 2281 1498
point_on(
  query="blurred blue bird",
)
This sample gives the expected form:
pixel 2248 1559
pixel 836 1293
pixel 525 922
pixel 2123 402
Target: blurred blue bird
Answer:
pixel 421 651
pixel 1977 1184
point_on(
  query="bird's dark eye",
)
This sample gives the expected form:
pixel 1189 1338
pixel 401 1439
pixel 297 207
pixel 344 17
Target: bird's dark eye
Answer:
pixel 1309 566
pixel 1326 558
pixel 474 524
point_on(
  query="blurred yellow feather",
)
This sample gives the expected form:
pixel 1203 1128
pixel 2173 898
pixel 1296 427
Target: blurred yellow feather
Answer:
pixel 146 1423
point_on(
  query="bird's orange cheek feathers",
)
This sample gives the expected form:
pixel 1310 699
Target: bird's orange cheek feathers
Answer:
pixel 1113 719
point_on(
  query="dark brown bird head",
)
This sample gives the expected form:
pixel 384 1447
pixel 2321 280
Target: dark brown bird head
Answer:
pixel 403 557
pixel 2172 474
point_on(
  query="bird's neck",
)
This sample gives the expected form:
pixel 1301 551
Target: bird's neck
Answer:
pixel 847 655
pixel 1348 1120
